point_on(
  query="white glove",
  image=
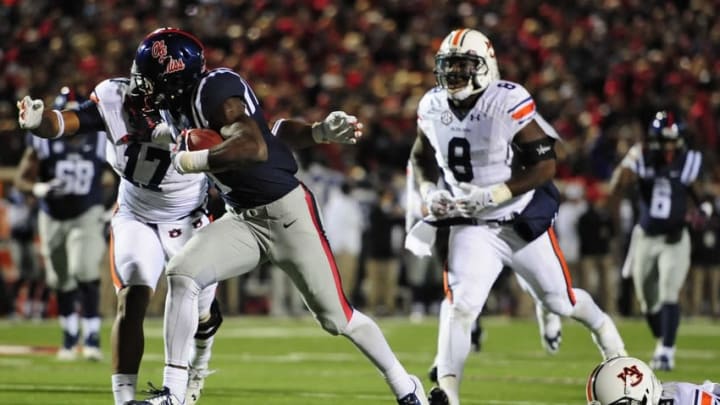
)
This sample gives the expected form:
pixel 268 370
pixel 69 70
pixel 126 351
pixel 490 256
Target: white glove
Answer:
pixel 30 112
pixel 475 199
pixel 42 190
pixel 337 127
pixel 163 134
pixel 440 203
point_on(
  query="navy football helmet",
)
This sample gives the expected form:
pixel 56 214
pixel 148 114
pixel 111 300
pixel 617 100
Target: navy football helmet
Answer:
pixel 167 65
pixel 665 136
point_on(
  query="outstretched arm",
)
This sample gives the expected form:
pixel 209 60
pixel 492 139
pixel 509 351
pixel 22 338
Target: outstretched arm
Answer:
pixel 46 124
pixel 337 127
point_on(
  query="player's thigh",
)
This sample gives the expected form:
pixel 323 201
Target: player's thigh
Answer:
pixel 542 265
pixel 175 235
pixel 86 245
pixel 136 254
pixel 223 249
pixel 476 255
pixel 673 267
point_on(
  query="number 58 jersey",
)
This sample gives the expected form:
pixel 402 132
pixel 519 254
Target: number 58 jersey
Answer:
pixel 150 188
pixel 477 147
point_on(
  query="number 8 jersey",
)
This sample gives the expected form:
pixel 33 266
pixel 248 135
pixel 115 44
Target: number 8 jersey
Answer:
pixel 477 147
pixel 150 187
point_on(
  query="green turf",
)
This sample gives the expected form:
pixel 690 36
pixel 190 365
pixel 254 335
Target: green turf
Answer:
pixel 284 361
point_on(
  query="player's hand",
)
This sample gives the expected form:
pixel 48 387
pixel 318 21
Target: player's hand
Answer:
pixel 337 127
pixel 46 189
pixel 30 112
pixel 440 203
pixel 474 200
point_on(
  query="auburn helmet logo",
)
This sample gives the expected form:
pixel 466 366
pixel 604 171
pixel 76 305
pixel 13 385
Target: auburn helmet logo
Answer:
pixel 632 375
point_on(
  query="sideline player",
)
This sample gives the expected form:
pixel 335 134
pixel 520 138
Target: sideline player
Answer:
pixel 667 175
pixel 629 381
pixel 66 175
pixel 498 159
pixel 158 210
pixel 270 215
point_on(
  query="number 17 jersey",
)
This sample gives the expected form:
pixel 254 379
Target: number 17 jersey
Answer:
pixel 150 188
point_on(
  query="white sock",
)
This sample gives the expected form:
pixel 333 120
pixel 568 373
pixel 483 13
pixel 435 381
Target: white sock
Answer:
pixel 453 342
pixel 176 379
pixel 181 319
pixel 90 326
pixel 70 323
pixel 368 337
pixel 123 387
pixel 451 385
pixel 200 358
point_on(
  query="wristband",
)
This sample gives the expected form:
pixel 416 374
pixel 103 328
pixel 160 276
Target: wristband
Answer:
pixel 61 124
pixel 500 193
pixel 192 162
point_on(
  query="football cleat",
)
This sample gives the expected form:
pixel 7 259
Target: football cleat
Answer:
pixel 662 362
pixel 432 374
pixel 67 354
pixel 477 336
pixel 157 397
pixel 196 382
pixel 437 396
pixel 552 343
pixel 417 397
pixel 92 353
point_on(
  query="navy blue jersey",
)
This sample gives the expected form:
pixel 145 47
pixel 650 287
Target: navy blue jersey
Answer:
pixel 664 191
pixel 259 184
pixel 78 163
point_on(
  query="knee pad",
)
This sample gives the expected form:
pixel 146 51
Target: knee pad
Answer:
pixel 209 328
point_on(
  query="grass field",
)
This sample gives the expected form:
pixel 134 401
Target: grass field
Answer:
pixel 289 361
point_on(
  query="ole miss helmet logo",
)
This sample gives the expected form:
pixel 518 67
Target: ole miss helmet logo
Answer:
pixel 160 52
pixel 632 375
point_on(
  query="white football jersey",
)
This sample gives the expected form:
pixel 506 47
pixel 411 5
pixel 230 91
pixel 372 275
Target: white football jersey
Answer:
pixel 150 187
pixel 682 393
pixel 477 148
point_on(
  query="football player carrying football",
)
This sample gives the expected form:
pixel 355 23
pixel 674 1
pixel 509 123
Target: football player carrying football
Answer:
pixel 497 156
pixel 629 381
pixel 270 215
pixel 667 175
pixel 158 210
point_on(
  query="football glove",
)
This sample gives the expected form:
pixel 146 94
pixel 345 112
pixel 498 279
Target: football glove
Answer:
pixel 439 202
pixel 30 112
pixel 475 199
pixel 337 127
pixel 45 189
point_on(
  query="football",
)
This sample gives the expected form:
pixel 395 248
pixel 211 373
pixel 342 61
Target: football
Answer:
pixel 202 138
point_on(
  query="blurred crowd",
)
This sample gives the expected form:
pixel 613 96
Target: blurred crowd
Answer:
pixel 598 69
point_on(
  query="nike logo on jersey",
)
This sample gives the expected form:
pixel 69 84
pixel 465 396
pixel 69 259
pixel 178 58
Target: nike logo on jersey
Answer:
pixel 289 224
pixel 542 149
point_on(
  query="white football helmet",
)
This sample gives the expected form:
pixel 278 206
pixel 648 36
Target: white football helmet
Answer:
pixel 465 64
pixel 623 381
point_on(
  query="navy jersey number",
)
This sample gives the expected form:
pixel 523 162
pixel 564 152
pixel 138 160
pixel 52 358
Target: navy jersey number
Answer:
pixel 146 166
pixel 459 159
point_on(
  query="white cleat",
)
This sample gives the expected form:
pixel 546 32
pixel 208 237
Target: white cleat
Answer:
pixel 608 340
pixel 196 382
pixel 64 354
pixel 92 353
pixel 550 326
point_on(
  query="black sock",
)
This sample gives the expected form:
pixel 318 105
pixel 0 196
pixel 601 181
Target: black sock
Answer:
pixel 655 323
pixel 670 316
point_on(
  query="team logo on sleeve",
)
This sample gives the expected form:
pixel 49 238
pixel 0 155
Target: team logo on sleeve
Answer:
pixel 631 375
pixel 446 117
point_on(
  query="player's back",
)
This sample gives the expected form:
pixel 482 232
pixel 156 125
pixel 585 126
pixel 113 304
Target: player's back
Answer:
pixel 663 189
pixel 261 183
pixel 149 187
pixel 77 163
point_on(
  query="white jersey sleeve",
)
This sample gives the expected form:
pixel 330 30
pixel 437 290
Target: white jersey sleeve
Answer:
pixel 477 147
pixel 682 393
pixel 150 188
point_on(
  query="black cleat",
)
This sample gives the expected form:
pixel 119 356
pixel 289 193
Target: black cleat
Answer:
pixel 437 396
pixel 432 374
